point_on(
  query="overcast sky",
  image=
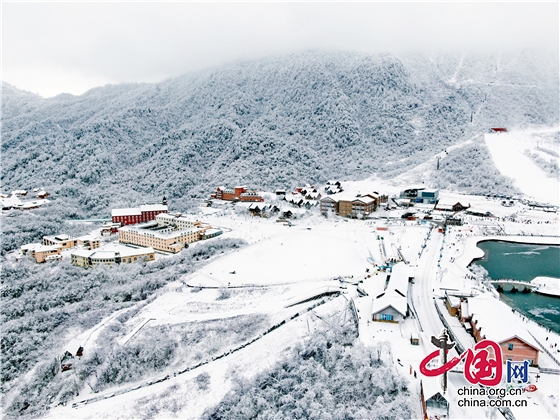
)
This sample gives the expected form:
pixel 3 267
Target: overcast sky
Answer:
pixel 50 48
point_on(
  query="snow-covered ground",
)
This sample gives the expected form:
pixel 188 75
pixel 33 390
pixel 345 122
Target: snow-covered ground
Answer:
pixel 508 152
pixel 282 264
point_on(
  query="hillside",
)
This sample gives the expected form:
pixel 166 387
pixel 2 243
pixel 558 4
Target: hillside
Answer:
pixel 271 123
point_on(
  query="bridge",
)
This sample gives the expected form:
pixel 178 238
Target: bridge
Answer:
pixel 515 283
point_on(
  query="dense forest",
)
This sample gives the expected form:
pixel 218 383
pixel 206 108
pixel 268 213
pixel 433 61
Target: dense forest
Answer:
pixel 272 123
pixel 43 304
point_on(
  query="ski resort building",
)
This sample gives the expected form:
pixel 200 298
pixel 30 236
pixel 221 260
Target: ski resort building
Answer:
pixel 493 320
pixel 169 233
pixel 162 238
pixel 142 214
pixel 392 304
pixel 421 195
pixel 110 255
pixel 450 204
pixel 236 194
pixel 350 205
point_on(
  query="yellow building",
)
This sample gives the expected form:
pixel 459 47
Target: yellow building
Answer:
pixel 42 253
pixel 64 241
pixel 89 242
pixel 163 238
pixel 110 255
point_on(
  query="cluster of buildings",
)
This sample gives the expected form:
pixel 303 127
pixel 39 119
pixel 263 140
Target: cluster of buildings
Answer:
pixel 485 317
pixel 236 194
pixel 482 316
pixel 335 200
pixel 304 197
pixel 52 246
pixel 351 205
pixel 20 199
pixel 141 232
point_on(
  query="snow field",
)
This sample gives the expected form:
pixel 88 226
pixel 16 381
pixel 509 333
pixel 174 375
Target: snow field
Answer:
pixel 508 154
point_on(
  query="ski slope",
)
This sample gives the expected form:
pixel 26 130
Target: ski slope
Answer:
pixel 508 154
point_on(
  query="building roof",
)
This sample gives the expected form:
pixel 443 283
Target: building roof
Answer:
pixel 88 238
pixel 85 253
pixel 153 207
pixel 162 234
pixel 350 196
pixel 212 231
pixel 399 278
pixel 58 238
pixel 40 247
pixel 109 251
pixel 126 212
pixel 451 201
pixel 497 322
pixel 127 251
pixel 389 299
pixel 175 216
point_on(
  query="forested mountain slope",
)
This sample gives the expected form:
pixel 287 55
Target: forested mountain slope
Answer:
pixel 271 123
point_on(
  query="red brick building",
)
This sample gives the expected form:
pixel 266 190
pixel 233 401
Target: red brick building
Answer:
pixel 133 216
pixel 236 194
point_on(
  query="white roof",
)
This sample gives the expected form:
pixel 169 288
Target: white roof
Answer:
pixel 41 248
pixel 212 231
pixel 126 212
pixel 175 216
pixel 85 253
pixel 496 320
pixel 88 238
pixel 451 201
pixel 431 387
pixel 454 300
pixel 28 247
pixel 98 255
pixel 108 251
pixel 157 234
pixel 399 278
pixel 153 207
pixel 390 299
pixel 351 196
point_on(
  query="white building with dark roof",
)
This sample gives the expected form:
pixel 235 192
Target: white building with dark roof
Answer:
pixel 392 304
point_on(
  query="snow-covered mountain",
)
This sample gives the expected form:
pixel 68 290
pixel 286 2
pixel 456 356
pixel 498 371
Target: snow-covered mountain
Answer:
pixel 271 123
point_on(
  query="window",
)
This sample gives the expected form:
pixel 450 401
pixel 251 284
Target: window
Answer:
pixel 510 346
pixel 386 317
